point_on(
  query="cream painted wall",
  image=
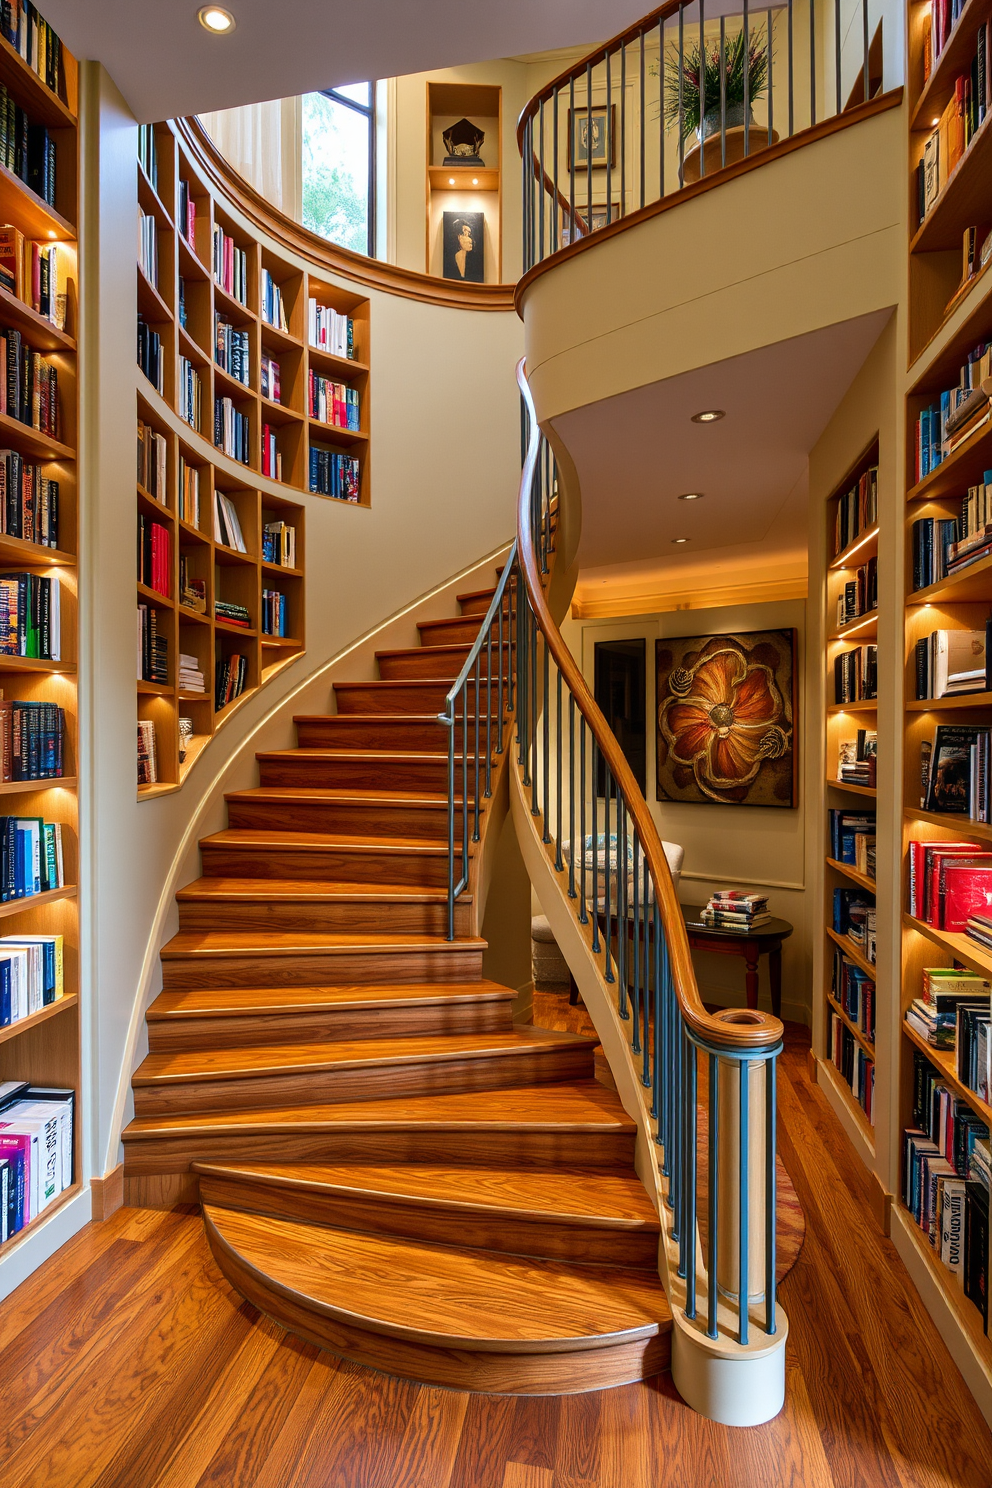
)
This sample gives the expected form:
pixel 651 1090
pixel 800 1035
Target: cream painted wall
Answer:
pixel 444 489
pixel 760 847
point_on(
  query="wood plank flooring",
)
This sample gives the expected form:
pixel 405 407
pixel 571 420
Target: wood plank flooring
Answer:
pixel 129 1362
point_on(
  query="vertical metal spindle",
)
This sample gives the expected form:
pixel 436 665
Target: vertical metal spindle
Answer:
pixel 571 796
pixel 623 904
pixel 812 62
pixel 747 81
pixel 643 127
pixel 528 197
pixel 610 140
pixel 501 693
pixel 623 130
pixel 681 94
pixel 607 896
pixel 540 178
pixel 865 68
pixel 475 830
pixel 657 1070
pixel 588 147
pixel 723 91
pixel 555 192
pixel 451 820
pixel 489 710
pixel 743 1282
pixel 836 56
pixel 661 108
pixel 546 735
pixel 464 778
pixel 790 78
pixel 646 1072
pixel 571 159
pixel 702 90
pixel 523 704
pixel 559 773
pixel 635 993
pixel 714 1196
pixel 690 1178
pixel 768 39
pixel 583 908
pixel 771 1194
pixel 533 715
pixel 678 1145
pixel 594 773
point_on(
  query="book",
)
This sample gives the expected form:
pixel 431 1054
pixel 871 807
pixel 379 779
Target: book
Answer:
pixel 227 525
pixel 330 331
pixel 147 753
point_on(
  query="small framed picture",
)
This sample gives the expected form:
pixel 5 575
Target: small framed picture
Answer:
pixel 592 137
pixel 599 215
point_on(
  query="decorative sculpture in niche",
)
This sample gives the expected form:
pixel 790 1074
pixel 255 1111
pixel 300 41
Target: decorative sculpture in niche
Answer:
pixel 463 142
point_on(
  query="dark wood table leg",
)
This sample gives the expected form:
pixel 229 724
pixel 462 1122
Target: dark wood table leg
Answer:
pixel 751 954
pixel 573 991
pixel 775 977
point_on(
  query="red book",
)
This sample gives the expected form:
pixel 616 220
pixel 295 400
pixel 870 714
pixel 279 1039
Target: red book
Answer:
pixel 927 882
pixel 968 889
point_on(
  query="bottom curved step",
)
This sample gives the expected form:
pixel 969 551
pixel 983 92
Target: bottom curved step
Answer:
pixel 445 1315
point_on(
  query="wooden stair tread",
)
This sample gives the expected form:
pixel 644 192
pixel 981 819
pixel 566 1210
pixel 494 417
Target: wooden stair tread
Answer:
pixel 379 756
pixel 616 1200
pixel 216 1001
pixel 257 837
pixel 577 1105
pixel 477 594
pixel 385 683
pixel 287 794
pixel 269 1059
pixel 376 718
pixel 279 942
pixel 444 1295
pixel 223 889
pixel 438 651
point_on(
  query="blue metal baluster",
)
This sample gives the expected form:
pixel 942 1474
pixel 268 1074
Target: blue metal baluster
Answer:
pixel 791 65
pixel 607 873
pixel 712 1287
pixel 656 1087
pixel 512 607
pixel 464 873
pixel 747 81
pixel 540 189
pixel 636 955
pixel 523 706
pixel 559 865
pixel 681 94
pixel 475 833
pixel 450 721
pixel 489 709
pixel 594 751
pixel 647 921
pixel 743 1283
pixel 546 835
pixel 533 717
pixel 771 1193
pixel 678 1142
pixel 623 902
pixel 502 698
pixel 571 796
pixel 691 1177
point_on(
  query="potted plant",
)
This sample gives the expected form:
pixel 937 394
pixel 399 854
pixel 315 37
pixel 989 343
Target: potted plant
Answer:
pixel 733 59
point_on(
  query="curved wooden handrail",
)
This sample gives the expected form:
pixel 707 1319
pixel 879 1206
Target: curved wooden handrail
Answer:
pixel 734 1029
pixel 370 273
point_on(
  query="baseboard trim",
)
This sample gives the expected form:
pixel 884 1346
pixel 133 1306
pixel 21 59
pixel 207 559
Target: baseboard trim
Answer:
pixel 108 1193
pixel 161 1190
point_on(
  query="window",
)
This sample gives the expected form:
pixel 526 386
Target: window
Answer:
pixel 339 165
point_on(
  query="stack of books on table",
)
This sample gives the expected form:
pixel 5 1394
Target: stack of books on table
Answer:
pixel 736 909
pixel 190 675
pixel 946 991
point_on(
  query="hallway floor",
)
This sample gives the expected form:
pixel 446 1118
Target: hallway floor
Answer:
pixel 129 1362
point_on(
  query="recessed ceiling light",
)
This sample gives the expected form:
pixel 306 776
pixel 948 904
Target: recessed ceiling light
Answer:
pixel 451 180
pixel 680 539
pixel 708 416
pixel 692 495
pixel 214 18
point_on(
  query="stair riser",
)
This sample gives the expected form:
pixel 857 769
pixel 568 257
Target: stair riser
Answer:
pixel 397 774
pixel 347 818
pixel 443 633
pixel 354 917
pixel 422 664
pixel 558 1373
pixel 297 969
pixel 172 1153
pixel 429 869
pixel 338 731
pixel 366 697
pixel 583 1244
pixel 476 604
pixel 370 1082
pixel 248 1032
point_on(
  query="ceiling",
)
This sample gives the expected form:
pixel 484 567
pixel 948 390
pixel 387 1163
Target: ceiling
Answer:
pixel 638 452
pixel 166 64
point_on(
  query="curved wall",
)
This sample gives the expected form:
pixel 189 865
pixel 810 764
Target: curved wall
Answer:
pixel 446 455
pixel 807 240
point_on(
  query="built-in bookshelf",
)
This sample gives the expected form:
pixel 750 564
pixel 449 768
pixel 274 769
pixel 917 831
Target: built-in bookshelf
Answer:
pixel 851 681
pixel 39 742
pixel 947 719
pixel 253 387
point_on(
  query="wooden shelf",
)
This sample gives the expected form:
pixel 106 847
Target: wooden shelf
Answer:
pixel 13 1030
pixel 964 199
pixel 278 340
pixel 332 434
pixel 31 92
pixel 865 626
pixel 463 178
pixel 32 441
pixel 968 584
pixel 36 664
pixel 344 367
pixel 48 782
pixel 951 821
pixel 944 1062
pixel 39 331
pixel 33 555
pixel 849 871
pixel 34 901
pixel 961 700
pixel 855 790
pixel 869 705
pixel 857 552
pixel 30 212
pixel 850 949
pixel 151 305
pixel 955 58
pixel 962 947
pixel 839 1083
pixel 282 643
pixel 861 1037
pixel 65 1197
pixel 161 601
pixel 964 468
pixel 951 1288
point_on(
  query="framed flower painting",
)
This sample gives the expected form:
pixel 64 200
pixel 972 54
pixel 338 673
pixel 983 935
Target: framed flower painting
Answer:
pixel 727 718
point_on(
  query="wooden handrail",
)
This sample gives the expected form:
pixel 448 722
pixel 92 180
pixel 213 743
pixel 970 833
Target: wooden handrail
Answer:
pixel 734 1029
pixel 370 273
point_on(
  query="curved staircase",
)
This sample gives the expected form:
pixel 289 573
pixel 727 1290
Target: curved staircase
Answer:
pixel 388 1165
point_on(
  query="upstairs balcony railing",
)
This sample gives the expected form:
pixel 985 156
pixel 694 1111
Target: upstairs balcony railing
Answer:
pixel 688 91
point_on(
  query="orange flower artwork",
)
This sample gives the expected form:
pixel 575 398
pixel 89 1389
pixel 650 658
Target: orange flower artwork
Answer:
pixel 726 719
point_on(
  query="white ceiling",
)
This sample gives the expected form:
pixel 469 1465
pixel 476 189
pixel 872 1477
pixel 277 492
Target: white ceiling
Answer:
pixel 637 453
pixel 166 64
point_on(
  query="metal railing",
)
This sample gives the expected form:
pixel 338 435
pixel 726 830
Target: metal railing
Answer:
pixel 687 91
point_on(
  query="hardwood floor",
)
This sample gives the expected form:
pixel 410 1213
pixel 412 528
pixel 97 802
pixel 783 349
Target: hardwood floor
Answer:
pixel 130 1362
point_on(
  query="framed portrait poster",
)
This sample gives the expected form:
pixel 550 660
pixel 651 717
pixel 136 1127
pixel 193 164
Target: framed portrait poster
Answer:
pixel 592 137
pixel 727 718
pixel 464 247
